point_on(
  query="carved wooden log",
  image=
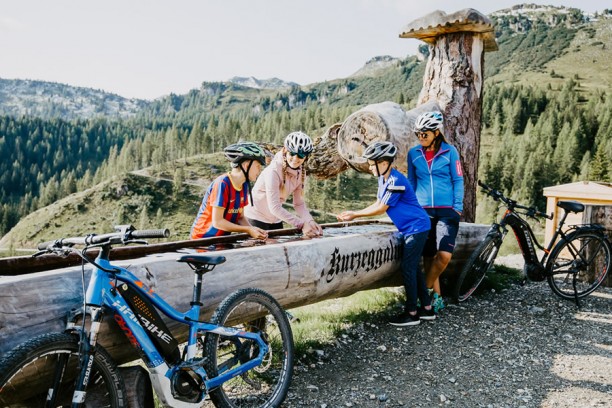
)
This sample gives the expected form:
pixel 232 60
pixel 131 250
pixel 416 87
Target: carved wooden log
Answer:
pixel 295 272
pixel 381 121
pixel 453 78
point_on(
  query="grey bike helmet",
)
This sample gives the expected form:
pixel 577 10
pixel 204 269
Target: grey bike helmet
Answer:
pixel 378 151
pixel 239 152
pixel 298 143
pixel 429 121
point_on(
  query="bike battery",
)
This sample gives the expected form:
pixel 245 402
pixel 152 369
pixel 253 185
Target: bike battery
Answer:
pixel 153 324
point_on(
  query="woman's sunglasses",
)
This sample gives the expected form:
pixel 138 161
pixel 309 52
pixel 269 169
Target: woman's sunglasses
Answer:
pixel 300 155
pixel 421 135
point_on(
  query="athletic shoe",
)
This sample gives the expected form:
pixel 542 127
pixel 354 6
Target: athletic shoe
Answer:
pixel 437 303
pixel 425 314
pixel 405 319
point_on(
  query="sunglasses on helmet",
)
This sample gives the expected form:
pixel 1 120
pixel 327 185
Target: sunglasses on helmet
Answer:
pixel 300 155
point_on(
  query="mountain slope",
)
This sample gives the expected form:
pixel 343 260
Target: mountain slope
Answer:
pixel 271 83
pixel 545 45
pixel 53 100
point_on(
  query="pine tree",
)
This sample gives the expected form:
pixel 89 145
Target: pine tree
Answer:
pixel 159 218
pixel 143 219
pixel 600 167
pixel 177 184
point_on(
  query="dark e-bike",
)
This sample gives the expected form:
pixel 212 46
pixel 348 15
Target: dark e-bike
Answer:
pixel 574 267
pixel 243 357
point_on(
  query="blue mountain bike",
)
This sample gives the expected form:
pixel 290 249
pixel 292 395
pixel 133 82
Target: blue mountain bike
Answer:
pixel 243 357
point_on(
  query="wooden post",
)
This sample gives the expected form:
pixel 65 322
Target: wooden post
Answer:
pixel 600 214
pixel 454 78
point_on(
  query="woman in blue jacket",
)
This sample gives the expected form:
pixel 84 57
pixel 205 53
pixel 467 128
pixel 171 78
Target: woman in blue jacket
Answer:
pixel 434 171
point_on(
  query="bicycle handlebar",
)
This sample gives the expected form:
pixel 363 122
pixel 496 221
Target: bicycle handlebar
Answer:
pixel 511 204
pixel 124 235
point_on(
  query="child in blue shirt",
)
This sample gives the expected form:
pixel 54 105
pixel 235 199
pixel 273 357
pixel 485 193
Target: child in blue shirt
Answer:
pixel 396 197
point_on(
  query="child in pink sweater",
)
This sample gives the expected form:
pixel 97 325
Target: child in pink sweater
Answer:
pixel 282 178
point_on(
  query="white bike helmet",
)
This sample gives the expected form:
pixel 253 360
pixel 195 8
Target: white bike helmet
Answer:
pixel 378 151
pixel 298 143
pixel 429 121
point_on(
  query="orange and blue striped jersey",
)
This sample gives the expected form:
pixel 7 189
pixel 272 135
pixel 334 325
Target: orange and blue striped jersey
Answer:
pixel 220 193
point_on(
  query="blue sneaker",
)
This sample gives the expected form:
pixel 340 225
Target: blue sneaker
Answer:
pixel 437 302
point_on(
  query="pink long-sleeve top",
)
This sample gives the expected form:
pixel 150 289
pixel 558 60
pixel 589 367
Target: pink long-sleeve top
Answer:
pixel 269 193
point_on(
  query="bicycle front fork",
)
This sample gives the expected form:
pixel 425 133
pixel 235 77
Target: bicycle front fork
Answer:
pixel 87 350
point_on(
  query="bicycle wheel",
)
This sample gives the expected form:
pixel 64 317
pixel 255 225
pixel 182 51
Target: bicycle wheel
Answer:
pixel 580 261
pixel 27 374
pixel 476 267
pixel 267 384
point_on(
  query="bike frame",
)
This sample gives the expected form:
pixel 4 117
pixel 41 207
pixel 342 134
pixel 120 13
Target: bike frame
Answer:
pixel 102 293
pixel 527 240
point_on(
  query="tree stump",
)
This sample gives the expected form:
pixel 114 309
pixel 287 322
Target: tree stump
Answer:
pixel 453 78
pixel 386 121
pixel 324 162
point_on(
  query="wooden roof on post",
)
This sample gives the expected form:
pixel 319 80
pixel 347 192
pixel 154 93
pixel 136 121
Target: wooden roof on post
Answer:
pixel 593 190
pixel 438 23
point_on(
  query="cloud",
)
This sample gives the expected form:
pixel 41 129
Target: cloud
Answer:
pixel 8 24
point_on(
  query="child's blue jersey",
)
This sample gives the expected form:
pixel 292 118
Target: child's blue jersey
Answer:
pixel 404 208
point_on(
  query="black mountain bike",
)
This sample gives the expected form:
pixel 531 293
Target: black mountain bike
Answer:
pixel 574 267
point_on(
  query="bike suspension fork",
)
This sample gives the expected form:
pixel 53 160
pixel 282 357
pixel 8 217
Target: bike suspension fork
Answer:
pixel 87 349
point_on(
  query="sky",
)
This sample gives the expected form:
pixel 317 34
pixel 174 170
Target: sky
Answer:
pixel 150 48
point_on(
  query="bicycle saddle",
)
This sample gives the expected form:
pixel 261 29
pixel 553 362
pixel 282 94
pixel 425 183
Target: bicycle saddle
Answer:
pixel 202 260
pixel 573 206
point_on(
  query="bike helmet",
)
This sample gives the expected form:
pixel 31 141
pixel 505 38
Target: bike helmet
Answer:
pixel 378 151
pixel 428 121
pixel 298 143
pixel 239 152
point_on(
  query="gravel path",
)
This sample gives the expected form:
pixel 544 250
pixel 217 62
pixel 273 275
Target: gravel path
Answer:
pixel 523 347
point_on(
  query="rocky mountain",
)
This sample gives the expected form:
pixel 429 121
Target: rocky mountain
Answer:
pixel 50 99
pixel 376 65
pixel 523 17
pixel 271 83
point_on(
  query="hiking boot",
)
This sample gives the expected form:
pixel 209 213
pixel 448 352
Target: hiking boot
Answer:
pixel 405 319
pixel 425 314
